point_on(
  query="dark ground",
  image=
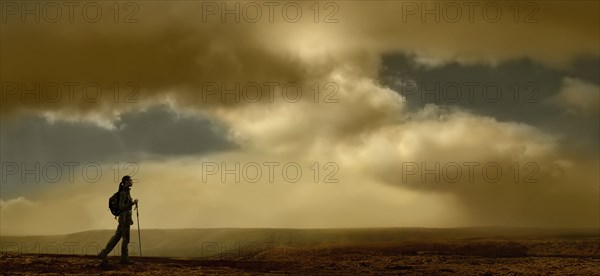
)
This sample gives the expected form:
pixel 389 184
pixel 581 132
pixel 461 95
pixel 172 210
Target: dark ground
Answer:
pixel 412 251
pixel 328 261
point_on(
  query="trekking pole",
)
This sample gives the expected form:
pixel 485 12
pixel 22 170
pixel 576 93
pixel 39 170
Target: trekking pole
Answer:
pixel 138 223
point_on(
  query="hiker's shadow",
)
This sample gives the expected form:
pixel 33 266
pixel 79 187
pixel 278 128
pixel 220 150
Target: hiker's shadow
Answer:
pixel 106 266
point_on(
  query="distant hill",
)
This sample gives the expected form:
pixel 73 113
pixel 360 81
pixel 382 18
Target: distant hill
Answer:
pixel 236 243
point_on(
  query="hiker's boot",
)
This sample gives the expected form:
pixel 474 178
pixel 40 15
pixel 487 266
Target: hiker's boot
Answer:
pixel 102 255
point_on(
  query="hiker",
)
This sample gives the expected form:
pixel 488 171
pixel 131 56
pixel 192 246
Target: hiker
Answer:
pixel 125 221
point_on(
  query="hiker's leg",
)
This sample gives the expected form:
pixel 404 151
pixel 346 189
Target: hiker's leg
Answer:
pixel 113 241
pixel 125 242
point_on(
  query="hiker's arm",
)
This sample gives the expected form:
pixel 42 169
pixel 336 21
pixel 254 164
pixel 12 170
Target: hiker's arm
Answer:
pixel 122 205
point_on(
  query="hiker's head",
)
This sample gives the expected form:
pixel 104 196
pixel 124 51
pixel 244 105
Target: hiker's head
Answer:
pixel 126 181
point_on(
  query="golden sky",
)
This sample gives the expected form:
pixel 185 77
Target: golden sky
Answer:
pixel 189 87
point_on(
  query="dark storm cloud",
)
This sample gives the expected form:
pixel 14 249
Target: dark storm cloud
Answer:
pixel 155 133
pixel 169 54
pixel 519 91
pixel 166 133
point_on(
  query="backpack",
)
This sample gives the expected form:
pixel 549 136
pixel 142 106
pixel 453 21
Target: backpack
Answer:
pixel 113 203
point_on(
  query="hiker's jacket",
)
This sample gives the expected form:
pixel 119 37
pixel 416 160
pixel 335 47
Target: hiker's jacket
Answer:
pixel 125 204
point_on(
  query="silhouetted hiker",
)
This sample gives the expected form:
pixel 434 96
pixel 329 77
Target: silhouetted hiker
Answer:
pixel 125 221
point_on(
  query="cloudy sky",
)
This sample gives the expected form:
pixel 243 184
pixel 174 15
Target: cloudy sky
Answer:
pixel 300 114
